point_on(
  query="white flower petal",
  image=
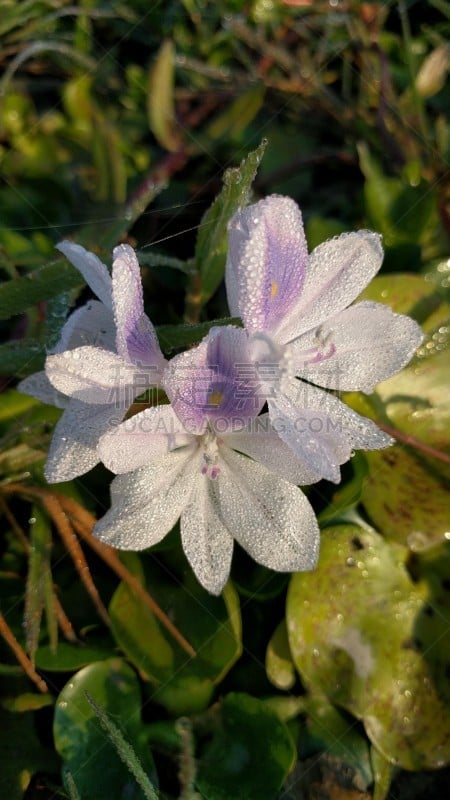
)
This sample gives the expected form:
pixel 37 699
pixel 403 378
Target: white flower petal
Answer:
pixel 146 503
pixel 91 324
pixel 268 516
pixel 207 543
pixel 94 375
pixel 142 439
pixel 136 338
pixel 260 441
pixel 316 439
pixel 94 272
pixel 337 272
pixel 39 386
pixel 363 345
pixel 321 430
pixel 73 450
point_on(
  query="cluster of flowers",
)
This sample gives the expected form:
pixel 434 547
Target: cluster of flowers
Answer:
pixel 246 422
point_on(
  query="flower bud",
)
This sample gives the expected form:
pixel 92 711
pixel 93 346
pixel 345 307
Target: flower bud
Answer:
pixel 433 72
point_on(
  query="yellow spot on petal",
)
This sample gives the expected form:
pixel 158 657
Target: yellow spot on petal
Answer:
pixel 273 290
pixel 215 399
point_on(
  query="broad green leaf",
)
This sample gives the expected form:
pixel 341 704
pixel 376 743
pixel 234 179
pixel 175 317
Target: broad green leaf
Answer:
pixel 211 625
pixel 250 754
pixel 279 667
pixel 360 646
pixel 160 99
pixel 71 657
pixel 211 246
pixel 81 742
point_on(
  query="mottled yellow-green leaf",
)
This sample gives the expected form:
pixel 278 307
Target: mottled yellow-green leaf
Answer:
pixel 355 636
pixel 405 498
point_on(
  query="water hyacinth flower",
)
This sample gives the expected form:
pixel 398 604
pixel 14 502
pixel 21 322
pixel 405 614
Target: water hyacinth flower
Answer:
pixel 304 334
pixel 107 355
pixel 210 461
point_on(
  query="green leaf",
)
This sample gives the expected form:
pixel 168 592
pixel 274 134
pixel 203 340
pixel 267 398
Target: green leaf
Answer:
pixel 211 246
pixel 15 403
pixel 150 258
pixel 124 750
pixel 250 755
pixel 326 729
pixel 417 400
pixel 21 357
pixel 40 284
pixel 160 99
pixel 404 293
pixel 211 624
pixel 319 229
pixel 279 667
pixel 174 337
pixel 27 702
pixel 238 115
pixel 360 646
pixel 39 572
pixel 81 742
pixel 70 657
pixel 405 498
pixel 398 210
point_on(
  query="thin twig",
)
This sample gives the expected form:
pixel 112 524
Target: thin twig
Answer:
pixel 83 521
pixel 64 621
pixel 21 656
pixel 56 512
pixel 406 438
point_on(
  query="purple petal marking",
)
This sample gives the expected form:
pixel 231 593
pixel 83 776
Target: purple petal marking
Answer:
pixel 214 383
pixel 135 338
pixel 266 262
pixel 91 268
